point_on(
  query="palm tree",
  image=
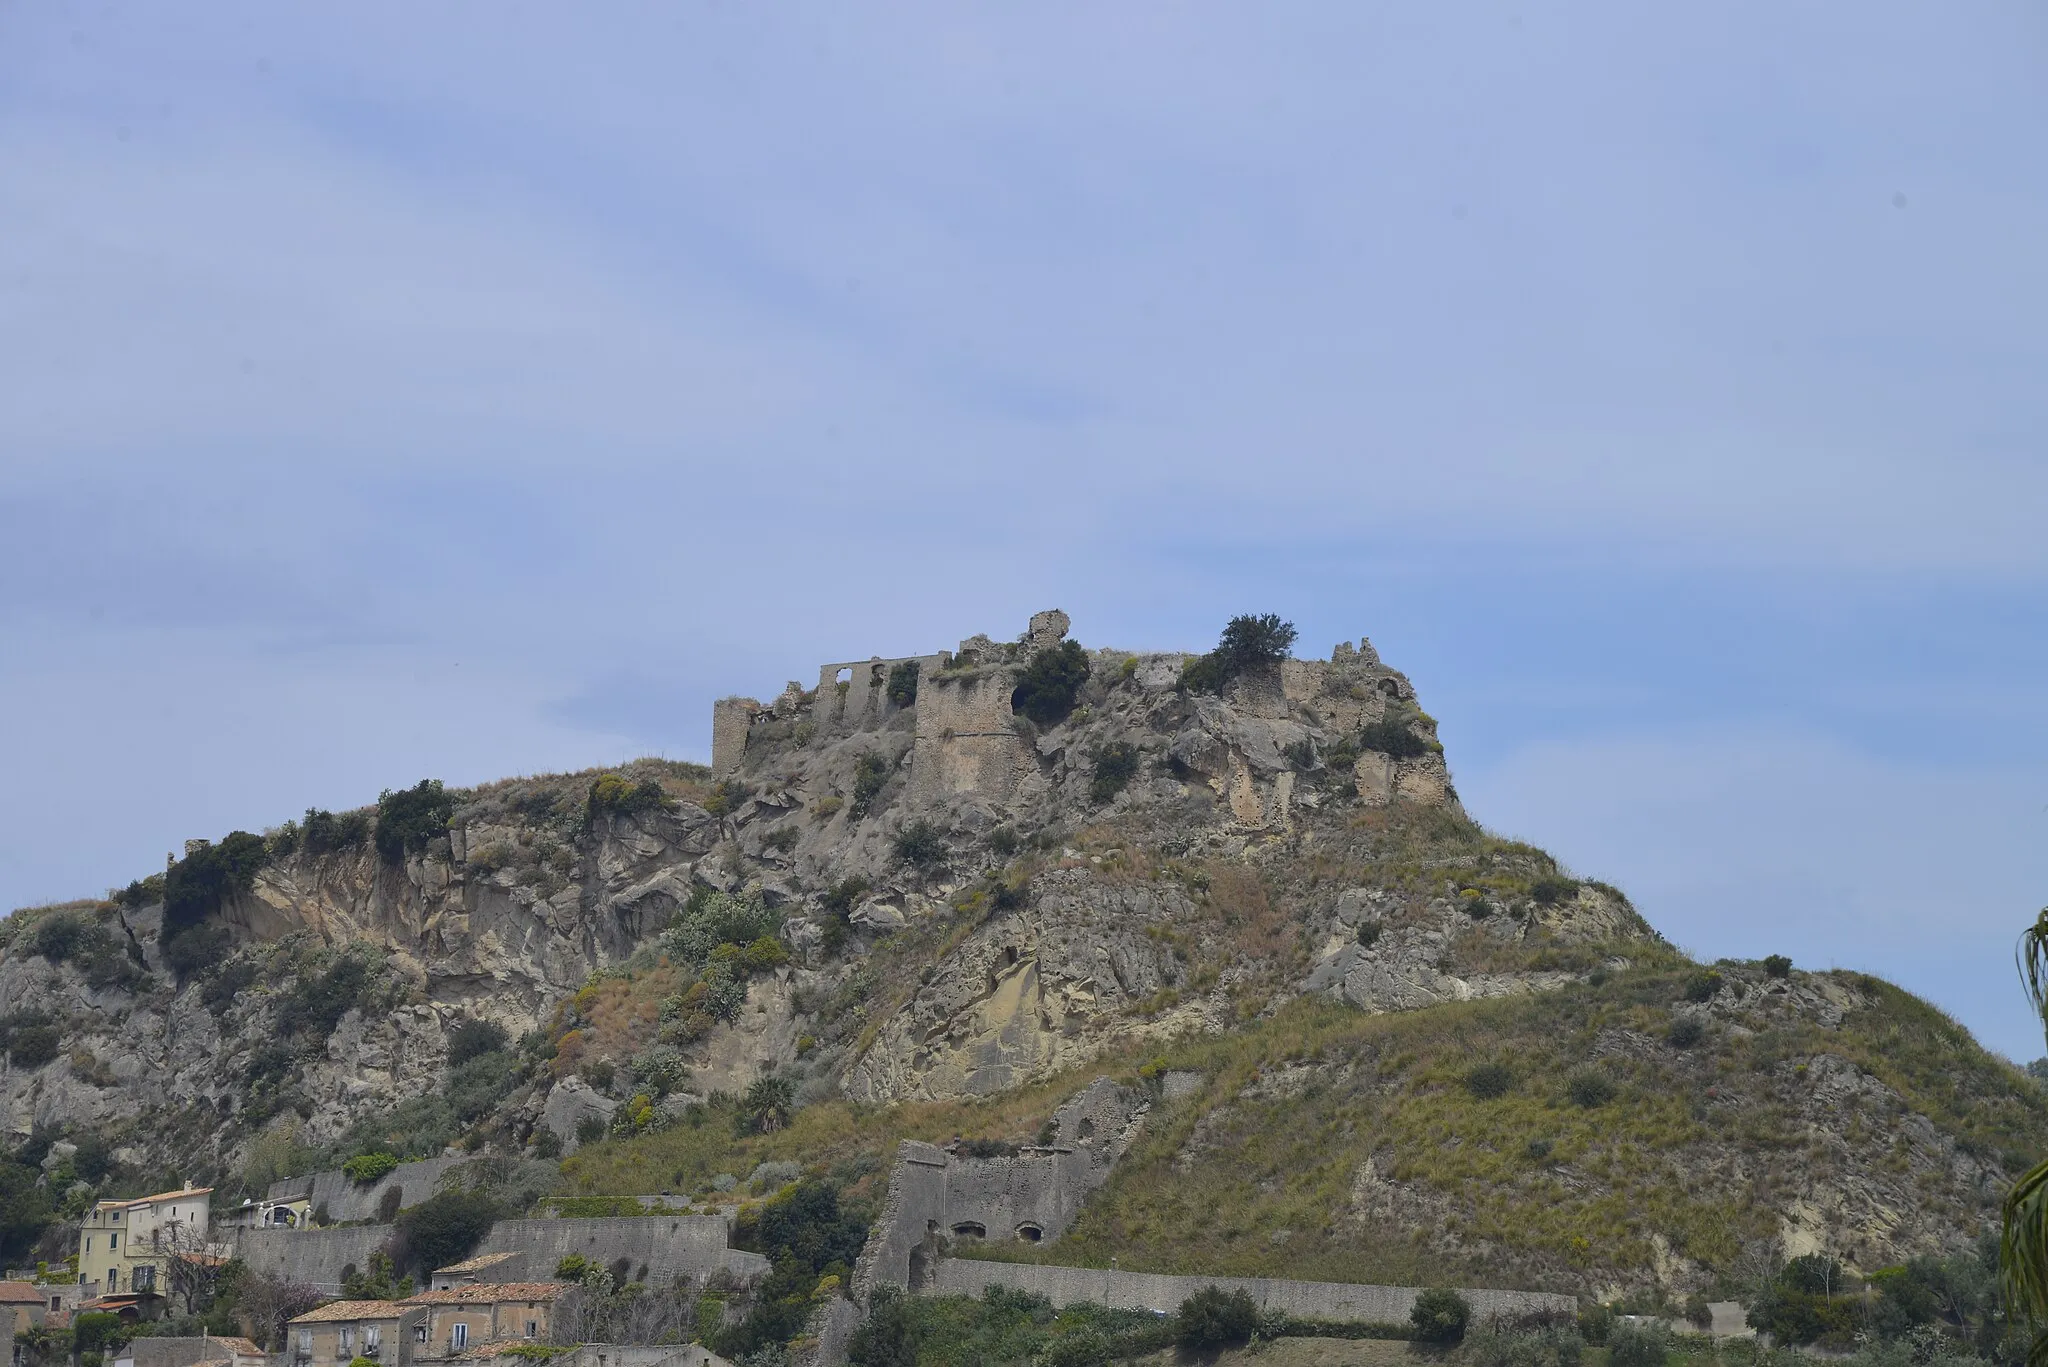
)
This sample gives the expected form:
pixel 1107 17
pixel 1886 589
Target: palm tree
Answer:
pixel 2023 1243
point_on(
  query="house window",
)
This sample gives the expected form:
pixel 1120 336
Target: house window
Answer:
pixel 306 1342
pixel 113 1279
pixel 115 1217
pixel 419 1333
pixel 88 1243
pixel 348 1342
pixel 532 1328
pixel 460 1338
pixel 373 1338
pixel 144 1279
pixel 113 1241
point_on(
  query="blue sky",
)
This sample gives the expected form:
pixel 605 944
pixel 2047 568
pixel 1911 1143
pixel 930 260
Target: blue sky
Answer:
pixel 484 389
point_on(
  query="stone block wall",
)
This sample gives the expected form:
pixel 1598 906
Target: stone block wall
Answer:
pixel 666 1246
pixel 731 719
pixel 346 1202
pixel 1163 1293
pixel 967 741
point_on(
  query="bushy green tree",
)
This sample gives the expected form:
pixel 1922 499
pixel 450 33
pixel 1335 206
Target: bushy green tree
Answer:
pixel 408 818
pixel 1632 1343
pixel 446 1228
pixel 473 1037
pixel 209 875
pixel 1440 1315
pixel 1048 687
pixel 902 689
pixel 1116 764
pixel 1247 643
pixel 1215 1318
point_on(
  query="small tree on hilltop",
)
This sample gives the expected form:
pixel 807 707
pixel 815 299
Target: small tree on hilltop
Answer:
pixel 1247 643
pixel 1048 687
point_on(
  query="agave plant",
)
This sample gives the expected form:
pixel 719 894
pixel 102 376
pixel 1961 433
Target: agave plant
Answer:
pixel 2023 1243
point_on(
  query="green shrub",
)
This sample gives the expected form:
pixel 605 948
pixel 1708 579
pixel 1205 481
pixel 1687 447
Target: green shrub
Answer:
pixel 767 1105
pixel 1214 1318
pixel 1048 687
pixel 1488 1081
pixel 409 818
pixel 331 833
pixel 1685 1032
pixel 1116 764
pixel 921 845
pixel 616 793
pixel 367 1168
pixel 141 893
pixel 1537 1149
pixel 726 798
pixel 446 1228
pixel 1368 933
pixel 233 978
pixel 195 949
pixel 712 919
pixel 902 689
pixel 1551 890
pixel 870 776
pixel 208 875
pixel 1247 643
pixel 1589 1088
pixel 1702 986
pixel 1393 733
pixel 1634 1344
pixel 476 1086
pixel 1003 842
pixel 314 1005
pixel 30 1038
pixel 1777 966
pixel 473 1037
pixel 1440 1315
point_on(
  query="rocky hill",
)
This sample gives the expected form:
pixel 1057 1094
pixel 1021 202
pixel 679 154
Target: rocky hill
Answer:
pixel 964 882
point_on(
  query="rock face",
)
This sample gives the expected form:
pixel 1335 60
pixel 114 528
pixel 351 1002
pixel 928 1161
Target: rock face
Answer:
pixel 971 901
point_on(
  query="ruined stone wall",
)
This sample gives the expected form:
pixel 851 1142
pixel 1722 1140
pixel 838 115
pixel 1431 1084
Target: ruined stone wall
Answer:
pixel 1163 1294
pixel 903 1243
pixel 967 740
pixel 731 719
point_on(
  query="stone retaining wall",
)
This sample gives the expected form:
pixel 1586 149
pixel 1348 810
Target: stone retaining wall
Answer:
pixel 1156 1291
pixel 657 1248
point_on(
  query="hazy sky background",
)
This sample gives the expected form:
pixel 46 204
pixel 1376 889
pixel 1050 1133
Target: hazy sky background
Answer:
pixel 391 391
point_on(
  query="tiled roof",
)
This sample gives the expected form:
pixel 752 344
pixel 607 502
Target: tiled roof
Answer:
pixel 13 1293
pixel 488 1293
pixel 178 1195
pixel 476 1264
pixel 335 1311
pixel 241 1347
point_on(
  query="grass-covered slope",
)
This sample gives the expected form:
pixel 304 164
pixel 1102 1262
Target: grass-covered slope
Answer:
pixel 1638 1131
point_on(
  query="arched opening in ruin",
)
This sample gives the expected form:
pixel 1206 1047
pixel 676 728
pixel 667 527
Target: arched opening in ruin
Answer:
pixel 1085 1130
pixel 920 1268
pixel 844 676
pixel 1029 1232
pixel 970 1229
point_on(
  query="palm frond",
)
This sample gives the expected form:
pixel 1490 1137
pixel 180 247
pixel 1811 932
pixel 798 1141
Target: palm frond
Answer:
pixel 2032 956
pixel 2023 1236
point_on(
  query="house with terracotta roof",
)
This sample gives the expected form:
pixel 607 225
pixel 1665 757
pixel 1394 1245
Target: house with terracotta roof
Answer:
pixel 125 1247
pixel 459 1318
pixel 22 1308
pixel 341 1331
pixel 485 1267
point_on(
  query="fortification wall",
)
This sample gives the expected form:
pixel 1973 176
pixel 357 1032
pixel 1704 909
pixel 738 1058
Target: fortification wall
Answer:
pixel 966 738
pixel 319 1257
pixel 657 1248
pixel 731 719
pixel 904 1242
pixel 1164 1293
pixel 346 1202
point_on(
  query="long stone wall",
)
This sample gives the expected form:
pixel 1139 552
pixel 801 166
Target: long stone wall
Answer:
pixel 346 1202
pixel 1160 1292
pixel 657 1248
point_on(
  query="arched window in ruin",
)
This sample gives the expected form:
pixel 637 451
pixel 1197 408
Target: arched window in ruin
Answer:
pixel 1029 1232
pixel 970 1229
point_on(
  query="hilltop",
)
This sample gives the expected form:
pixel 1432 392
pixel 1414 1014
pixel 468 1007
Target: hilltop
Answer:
pixel 932 897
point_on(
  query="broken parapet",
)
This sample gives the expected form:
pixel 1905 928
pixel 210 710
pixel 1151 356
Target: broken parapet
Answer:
pixel 939 1199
